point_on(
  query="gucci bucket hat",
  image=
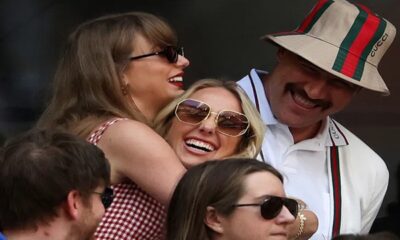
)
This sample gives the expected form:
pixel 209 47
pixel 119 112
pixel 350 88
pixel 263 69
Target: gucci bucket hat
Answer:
pixel 345 39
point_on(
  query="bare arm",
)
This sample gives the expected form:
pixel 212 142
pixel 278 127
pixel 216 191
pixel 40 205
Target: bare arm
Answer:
pixel 137 152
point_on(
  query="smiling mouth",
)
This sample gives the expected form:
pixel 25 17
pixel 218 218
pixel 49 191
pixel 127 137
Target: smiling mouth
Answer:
pixel 301 98
pixel 200 145
pixel 177 81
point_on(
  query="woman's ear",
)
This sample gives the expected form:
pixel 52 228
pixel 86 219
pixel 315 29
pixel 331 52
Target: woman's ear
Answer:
pixel 213 220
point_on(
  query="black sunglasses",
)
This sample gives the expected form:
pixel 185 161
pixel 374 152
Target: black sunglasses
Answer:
pixel 228 122
pixel 106 196
pixel 272 206
pixel 170 52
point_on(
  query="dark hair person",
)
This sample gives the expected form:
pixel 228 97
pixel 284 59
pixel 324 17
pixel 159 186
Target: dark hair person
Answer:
pixel 53 184
pixel 239 199
pixel 116 73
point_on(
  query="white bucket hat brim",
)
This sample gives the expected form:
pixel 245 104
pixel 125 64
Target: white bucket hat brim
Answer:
pixel 330 24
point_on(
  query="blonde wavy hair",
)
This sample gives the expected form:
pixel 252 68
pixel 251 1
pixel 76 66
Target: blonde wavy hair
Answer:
pixel 251 141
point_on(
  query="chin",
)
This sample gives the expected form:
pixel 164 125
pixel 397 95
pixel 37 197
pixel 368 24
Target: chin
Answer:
pixel 192 161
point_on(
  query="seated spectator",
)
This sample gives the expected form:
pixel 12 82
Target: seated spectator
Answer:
pixel 52 186
pixel 240 199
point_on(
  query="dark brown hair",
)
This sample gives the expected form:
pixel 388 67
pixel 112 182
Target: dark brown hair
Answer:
pixel 217 183
pixel 37 171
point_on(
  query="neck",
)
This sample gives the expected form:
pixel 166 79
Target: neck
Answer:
pixel 300 134
pixel 148 111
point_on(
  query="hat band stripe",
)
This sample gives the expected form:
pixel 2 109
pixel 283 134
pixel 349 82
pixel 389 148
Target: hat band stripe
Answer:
pixel 354 44
pixel 348 40
pixel 314 15
pixel 378 34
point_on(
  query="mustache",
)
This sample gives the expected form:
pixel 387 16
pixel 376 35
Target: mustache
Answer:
pixel 292 88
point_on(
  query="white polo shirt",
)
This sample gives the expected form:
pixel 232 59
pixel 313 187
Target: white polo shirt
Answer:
pixel 303 165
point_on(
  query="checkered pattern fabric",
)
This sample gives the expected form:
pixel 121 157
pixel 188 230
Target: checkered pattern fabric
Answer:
pixel 133 214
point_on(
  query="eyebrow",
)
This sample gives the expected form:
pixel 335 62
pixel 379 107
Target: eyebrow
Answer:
pixel 263 197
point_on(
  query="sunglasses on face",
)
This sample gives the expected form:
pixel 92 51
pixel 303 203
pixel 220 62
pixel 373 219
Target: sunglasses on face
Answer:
pixel 106 197
pixel 272 206
pixel 170 52
pixel 228 122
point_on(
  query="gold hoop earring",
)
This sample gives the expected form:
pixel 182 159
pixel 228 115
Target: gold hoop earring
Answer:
pixel 124 89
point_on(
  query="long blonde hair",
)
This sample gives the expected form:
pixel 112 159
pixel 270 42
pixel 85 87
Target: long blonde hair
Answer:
pixel 251 142
pixel 87 84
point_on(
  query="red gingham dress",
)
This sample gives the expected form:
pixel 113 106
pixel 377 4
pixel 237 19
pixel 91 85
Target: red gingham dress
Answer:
pixel 133 213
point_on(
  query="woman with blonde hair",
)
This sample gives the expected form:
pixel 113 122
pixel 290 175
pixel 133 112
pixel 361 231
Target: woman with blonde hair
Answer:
pixel 248 139
pixel 216 120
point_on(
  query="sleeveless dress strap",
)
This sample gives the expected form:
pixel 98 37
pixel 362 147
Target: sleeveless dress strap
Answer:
pixel 95 137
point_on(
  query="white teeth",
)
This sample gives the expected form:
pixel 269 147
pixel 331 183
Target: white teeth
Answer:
pixel 305 102
pixel 199 144
pixel 176 79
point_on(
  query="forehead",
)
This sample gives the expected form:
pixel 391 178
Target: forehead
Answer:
pixel 141 44
pixel 257 185
pixel 218 98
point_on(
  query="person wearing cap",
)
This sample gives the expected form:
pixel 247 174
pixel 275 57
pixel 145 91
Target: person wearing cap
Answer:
pixel 320 67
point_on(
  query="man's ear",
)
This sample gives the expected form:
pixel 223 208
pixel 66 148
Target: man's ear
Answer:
pixel 213 220
pixel 279 54
pixel 73 204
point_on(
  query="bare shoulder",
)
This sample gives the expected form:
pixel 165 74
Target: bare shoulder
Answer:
pixel 128 132
pixel 137 152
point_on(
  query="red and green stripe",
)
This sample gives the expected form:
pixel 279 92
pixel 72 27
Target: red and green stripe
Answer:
pixel 337 195
pixel 366 30
pixel 314 15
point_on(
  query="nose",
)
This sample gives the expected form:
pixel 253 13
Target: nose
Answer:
pixel 208 126
pixel 317 89
pixel 182 62
pixel 285 217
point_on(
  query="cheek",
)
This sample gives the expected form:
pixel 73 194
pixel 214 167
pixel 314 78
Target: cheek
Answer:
pixel 341 100
pixel 177 131
pixel 229 146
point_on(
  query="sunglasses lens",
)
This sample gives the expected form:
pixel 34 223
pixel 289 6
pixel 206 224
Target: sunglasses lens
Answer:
pixel 232 123
pixel 107 197
pixel 292 205
pixel 271 207
pixel 171 54
pixel 191 111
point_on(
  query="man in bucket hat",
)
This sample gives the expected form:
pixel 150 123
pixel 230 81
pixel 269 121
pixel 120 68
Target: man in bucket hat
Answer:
pixel 320 67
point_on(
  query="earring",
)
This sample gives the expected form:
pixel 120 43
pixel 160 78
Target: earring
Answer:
pixel 125 89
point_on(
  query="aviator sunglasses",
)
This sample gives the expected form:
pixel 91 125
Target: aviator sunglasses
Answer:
pixel 170 52
pixel 228 122
pixel 106 197
pixel 272 206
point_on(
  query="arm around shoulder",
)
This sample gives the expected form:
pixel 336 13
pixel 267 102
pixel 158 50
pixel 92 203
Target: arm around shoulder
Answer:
pixel 137 152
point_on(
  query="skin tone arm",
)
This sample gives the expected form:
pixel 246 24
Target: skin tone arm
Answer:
pixel 310 226
pixel 137 152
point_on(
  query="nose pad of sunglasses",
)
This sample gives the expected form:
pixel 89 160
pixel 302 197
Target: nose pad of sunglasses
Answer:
pixel 209 124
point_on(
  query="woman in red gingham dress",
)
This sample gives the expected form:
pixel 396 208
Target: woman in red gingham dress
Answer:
pixel 116 73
